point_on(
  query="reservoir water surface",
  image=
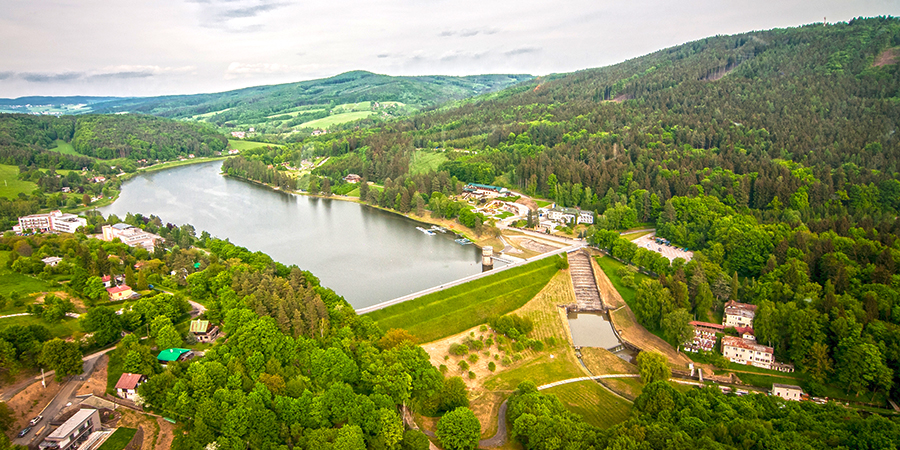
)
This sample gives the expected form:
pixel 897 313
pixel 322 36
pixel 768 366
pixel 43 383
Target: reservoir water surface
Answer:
pixel 362 253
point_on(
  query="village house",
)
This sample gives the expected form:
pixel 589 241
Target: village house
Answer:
pixel 787 391
pixel 117 293
pixel 204 331
pixel 127 385
pixel 55 221
pixel 174 354
pixel 739 314
pixel 52 261
pixel 73 431
pixel 747 352
pixel 131 236
pixel 238 134
pixel 353 178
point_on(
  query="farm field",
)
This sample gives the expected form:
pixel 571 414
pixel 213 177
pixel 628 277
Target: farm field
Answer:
pixel 248 145
pixel 10 185
pixel 456 309
pixel 335 119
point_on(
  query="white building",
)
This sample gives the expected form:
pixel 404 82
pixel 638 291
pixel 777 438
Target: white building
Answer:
pixel 566 215
pixel 787 391
pixel 52 261
pixel 56 221
pixel 132 236
pixel 72 431
pixel 739 314
pixel 127 385
pixel 747 352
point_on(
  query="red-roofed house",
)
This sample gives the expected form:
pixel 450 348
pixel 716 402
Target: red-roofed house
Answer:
pixel 117 293
pixel 127 385
pixel 747 352
pixel 746 333
pixel 739 314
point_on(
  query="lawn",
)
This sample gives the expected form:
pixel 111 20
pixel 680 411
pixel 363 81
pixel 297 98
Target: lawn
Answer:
pixel 542 203
pixel 209 114
pixel 13 281
pixel 335 119
pixel 590 400
pixel 65 148
pixel 119 439
pixel 459 308
pixel 296 113
pixel 549 367
pixel 633 236
pixel 610 267
pixel 248 145
pixel 66 327
pixel 11 185
pixel 424 161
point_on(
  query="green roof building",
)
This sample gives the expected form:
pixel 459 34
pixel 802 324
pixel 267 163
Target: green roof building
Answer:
pixel 173 354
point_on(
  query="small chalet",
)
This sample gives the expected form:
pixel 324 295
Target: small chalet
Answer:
pixel 353 178
pixel 117 293
pixel 174 354
pixel 745 333
pixel 107 281
pixel 204 331
pixel 51 261
pixel 127 385
pixel 739 314
pixel 787 391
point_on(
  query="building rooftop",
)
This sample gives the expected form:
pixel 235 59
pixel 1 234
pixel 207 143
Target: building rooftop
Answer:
pixel 129 380
pixel 199 326
pixel 787 386
pixel 117 289
pixel 717 326
pixel 70 425
pixel 121 226
pixel 732 341
pixel 172 354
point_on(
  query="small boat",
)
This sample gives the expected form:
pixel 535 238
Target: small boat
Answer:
pixel 463 241
pixel 437 228
pixel 428 232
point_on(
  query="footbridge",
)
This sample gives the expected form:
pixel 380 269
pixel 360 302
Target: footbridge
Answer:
pixel 518 262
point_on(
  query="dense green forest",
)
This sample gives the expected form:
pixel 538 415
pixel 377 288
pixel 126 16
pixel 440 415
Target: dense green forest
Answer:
pixel 258 103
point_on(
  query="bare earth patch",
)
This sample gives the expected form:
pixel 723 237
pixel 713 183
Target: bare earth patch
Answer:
pixel 887 57
pixel 29 402
pixel 96 384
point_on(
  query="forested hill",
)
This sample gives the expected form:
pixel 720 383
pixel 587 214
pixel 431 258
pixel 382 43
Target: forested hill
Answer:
pixel 32 140
pixel 246 105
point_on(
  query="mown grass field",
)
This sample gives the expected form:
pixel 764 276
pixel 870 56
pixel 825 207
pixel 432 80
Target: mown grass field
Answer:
pixel 424 161
pixel 459 308
pixel 335 119
pixel 64 328
pixel 11 185
pixel 248 145
pixel 610 267
pixel 119 439
pixel 296 113
pixel 65 148
pixel 590 400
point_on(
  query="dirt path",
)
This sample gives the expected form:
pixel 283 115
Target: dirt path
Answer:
pixel 96 384
pixel 608 293
pixel 28 403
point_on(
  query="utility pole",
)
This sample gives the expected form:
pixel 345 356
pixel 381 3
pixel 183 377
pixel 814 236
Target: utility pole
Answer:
pixel 43 383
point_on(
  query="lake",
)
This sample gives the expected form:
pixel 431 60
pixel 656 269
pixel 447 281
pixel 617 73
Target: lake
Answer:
pixel 364 254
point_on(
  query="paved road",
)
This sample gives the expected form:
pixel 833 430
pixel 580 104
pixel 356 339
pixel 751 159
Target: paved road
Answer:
pixel 595 377
pixel 65 395
pixel 11 391
pixel 499 438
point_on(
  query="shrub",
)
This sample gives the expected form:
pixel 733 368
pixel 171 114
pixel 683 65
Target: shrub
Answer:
pixel 550 341
pixel 512 325
pixel 506 361
pixel 536 345
pixel 518 346
pixel 463 366
pixel 474 344
pixel 459 349
pixel 491 366
pixel 473 358
pixel 517 356
pixel 471 375
pixel 443 368
pixel 488 342
pixel 482 328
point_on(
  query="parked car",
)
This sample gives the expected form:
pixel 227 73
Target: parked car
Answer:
pixel 24 431
pixel 35 421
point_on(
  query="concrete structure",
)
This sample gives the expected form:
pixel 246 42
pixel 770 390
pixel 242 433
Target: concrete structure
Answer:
pixel 56 221
pixel 174 354
pixel 117 293
pixel 204 331
pixel 739 314
pixel 131 236
pixel 787 391
pixel 52 261
pixel 487 256
pixel 747 352
pixel 127 385
pixel 73 431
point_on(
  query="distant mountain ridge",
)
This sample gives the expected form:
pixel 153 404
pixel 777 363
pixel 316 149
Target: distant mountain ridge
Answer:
pixel 49 100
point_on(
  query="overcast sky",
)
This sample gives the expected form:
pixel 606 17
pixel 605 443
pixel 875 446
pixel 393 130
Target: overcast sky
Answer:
pixel 157 47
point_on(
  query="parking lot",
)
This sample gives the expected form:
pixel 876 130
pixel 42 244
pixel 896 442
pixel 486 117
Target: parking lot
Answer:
pixel 669 251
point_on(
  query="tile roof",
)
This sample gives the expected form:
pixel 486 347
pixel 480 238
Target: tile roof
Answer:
pixel 128 380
